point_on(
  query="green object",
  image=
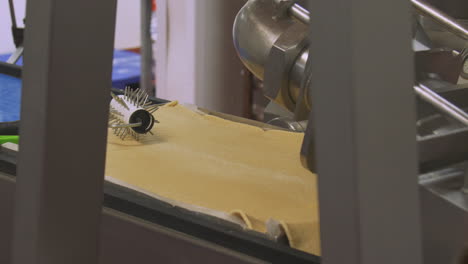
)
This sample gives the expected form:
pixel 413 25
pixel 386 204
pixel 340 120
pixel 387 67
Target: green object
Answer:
pixel 9 139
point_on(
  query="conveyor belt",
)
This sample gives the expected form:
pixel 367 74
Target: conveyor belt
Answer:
pixel 194 224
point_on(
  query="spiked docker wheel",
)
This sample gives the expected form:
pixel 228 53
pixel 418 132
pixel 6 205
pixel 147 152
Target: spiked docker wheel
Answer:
pixel 132 114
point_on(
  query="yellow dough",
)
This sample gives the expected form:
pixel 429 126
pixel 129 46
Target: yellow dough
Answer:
pixel 221 165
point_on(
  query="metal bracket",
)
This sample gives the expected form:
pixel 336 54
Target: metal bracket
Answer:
pixel 280 60
pixel 282 8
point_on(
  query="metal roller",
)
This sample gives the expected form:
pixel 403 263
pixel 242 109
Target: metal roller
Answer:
pixel 132 114
pixel 272 44
pixel 270 38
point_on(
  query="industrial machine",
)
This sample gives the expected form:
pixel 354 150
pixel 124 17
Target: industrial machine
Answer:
pixel 272 39
pixel 392 170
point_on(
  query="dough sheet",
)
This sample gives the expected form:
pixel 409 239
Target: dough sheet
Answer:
pixel 232 168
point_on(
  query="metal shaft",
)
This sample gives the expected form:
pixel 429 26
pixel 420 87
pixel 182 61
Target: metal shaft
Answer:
pixel 440 17
pixel 424 8
pixel 300 13
pixel 444 106
pixel 146 81
pixel 12 13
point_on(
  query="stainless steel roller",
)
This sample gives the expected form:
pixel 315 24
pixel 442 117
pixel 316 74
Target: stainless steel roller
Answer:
pixel 268 38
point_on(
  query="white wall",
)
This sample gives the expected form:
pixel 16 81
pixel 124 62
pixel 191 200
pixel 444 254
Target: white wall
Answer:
pixel 6 40
pixel 175 50
pixel 127 33
pixel 195 55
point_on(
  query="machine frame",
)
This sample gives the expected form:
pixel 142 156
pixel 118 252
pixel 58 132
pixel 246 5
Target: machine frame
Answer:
pixel 145 223
pixel 364 147
pixel 357 134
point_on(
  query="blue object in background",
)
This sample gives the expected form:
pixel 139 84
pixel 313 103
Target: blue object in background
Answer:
pixel 126 67
pixel 10 97
pixel 126 71
pixel 5 57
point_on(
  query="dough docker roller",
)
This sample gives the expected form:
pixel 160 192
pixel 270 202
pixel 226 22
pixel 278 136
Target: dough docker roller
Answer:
pixel 131 114
pixel 270 37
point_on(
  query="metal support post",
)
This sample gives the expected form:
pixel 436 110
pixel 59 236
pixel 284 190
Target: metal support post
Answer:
pixel 363 130
pixel 146 80
pixel 64 113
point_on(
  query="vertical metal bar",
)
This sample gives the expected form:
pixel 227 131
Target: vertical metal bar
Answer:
pixel 64 112
pixel 363 126
pixel 146 81
pixel 12 13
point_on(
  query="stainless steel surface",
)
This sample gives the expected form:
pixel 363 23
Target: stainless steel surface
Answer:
pixel 440 37
pixel 365 150
pixel 290 7
pixel 443 19
pixel 283 56
pixel 456 94
pixel 279 41
pixel 255 32
pixel 146 79
pixel 66 83
pixel 289 124
pixel 16 55
pixel 304 97
pixel 300 13
pixel 444 216
pixel 441 104
pixel 437 124
pixel 258 55
pixel 442 150
pixel 447 183
pixel 354 123
pixel 421 40
pixel 455 8
pixel 297 74
pixel 439 135
pixel 294 82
